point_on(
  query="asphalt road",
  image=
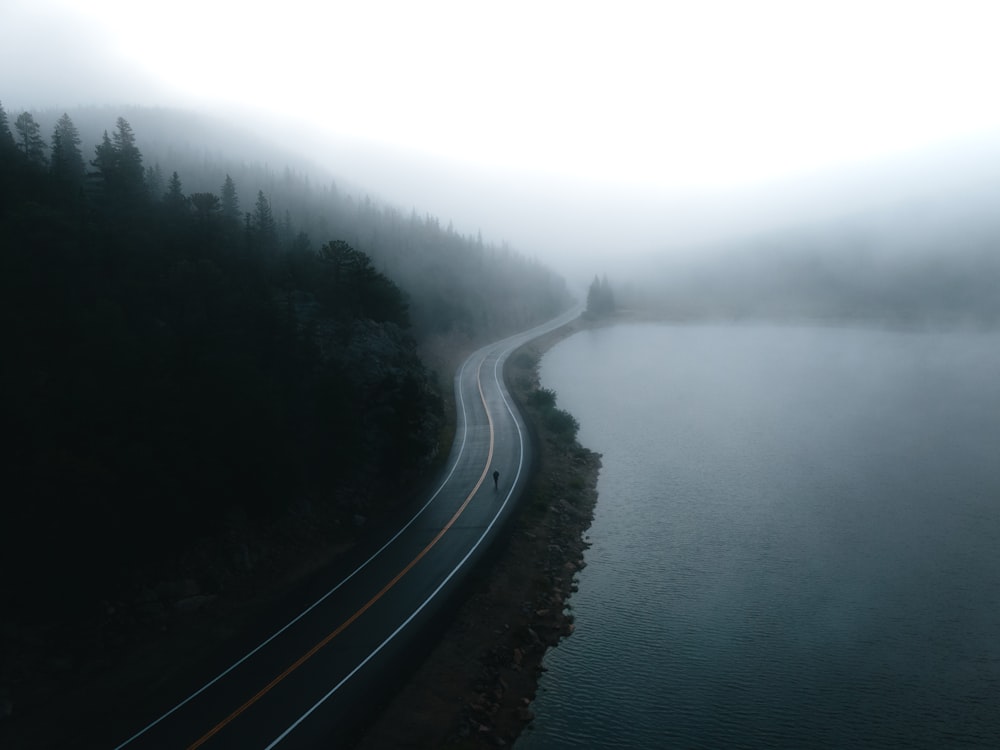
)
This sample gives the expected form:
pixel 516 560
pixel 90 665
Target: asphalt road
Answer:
pixel 308 681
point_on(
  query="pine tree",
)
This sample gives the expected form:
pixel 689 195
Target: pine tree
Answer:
pixel 128 158
pixel 104 158
pixel 264 231
pixel 230 200
pixel 154 180
pixel 102 181
pixel 600 298
pixel 174 200
pixel 119 169
pixel 29 138
pixel 67 161
pixel 607 296
pixel 205 205
pixel 6 139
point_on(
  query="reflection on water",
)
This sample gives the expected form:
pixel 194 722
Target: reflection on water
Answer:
pixel 797 541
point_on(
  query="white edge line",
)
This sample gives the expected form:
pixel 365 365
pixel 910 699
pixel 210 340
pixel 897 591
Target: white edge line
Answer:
pixel 316 603
pixel 436 591
pixel 549 326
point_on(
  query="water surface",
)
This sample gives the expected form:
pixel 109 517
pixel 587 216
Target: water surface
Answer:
pixel 796 543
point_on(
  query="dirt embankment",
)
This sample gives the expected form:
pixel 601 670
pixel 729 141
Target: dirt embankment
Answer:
pixel 475 688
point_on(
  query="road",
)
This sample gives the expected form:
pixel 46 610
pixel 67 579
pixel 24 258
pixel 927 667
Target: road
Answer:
pixel 309 680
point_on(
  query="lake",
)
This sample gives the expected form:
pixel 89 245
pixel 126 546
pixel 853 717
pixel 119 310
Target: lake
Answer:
pixel 796 542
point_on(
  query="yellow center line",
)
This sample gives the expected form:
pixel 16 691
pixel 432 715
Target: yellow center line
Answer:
pixel 344 625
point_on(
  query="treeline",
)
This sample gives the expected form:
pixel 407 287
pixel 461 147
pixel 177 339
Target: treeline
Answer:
pixel 461 289
pixel 600 298
pixel 174 360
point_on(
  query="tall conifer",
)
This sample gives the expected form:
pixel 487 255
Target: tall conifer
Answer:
pixel 67 161
pixel 230 200
pixel 29 138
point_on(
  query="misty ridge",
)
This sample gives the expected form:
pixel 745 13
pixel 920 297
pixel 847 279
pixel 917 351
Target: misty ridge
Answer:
pixel 912 244
pixel 430 259
pixel 922 258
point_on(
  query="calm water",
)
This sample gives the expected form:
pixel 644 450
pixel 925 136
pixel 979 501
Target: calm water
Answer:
pixel 796 545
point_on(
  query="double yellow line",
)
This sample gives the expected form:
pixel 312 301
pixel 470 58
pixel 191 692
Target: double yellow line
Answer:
pixel 346 623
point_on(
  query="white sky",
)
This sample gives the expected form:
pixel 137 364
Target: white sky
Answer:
pixel 666 94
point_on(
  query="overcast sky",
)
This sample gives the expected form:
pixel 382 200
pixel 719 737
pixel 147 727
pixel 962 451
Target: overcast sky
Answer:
pixel 682 97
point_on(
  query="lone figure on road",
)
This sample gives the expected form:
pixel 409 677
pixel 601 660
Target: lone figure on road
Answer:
pixel 496 479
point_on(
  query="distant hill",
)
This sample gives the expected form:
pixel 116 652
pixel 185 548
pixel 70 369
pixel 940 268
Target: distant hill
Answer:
pixel 928 261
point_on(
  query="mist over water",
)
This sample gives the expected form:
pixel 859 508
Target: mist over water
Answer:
pixel 795 542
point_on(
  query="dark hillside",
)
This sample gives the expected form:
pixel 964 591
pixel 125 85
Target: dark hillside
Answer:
pixel 461 289
pixel 195 389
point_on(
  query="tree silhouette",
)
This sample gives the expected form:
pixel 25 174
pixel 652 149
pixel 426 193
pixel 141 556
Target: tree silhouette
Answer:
pixel 104 159
pixel 29 138
pixel 154 180
pixel 205 205
pixel 67 161
pixel 263 230
pixel 174 200
pixel 600 298
pixel 128 158
pixel 120 175
pixel 230 201
pixel 6 139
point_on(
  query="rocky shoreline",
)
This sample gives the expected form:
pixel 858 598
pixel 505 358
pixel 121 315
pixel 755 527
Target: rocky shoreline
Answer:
pixel 474 690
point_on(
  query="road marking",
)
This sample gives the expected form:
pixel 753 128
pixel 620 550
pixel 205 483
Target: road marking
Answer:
pixel 311 607
pixel 519 338
pixel 444 581
pixel 344 625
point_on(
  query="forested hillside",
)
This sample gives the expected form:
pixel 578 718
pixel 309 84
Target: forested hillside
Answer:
pixel 191 368
pixel 460 289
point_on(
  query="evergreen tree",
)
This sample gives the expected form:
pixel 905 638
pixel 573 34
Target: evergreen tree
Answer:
pixel 593 296
pixel 600 298
pixel 128 159
pixel 6 139
pixel 263 230
pixel 103 179
pixel 205 206
pixel 67 161
pixel 154 180
pixel 119 169
pixel 104 158
pixel 174 198
pixel 607 296
pixel 230 200
pixel 29 138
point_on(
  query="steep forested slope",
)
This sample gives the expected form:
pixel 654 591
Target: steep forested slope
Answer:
pixel 460 289
pixel 188 363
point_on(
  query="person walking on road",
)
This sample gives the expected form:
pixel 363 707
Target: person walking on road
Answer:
pixel 496 480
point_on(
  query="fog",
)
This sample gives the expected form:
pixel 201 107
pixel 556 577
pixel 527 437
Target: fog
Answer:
pixel 901 210
pixel 596 142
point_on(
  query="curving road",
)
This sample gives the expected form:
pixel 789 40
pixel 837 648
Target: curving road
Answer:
pixel 308 681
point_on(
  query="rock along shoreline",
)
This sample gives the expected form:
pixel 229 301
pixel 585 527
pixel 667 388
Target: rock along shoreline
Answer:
pixel 475 688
